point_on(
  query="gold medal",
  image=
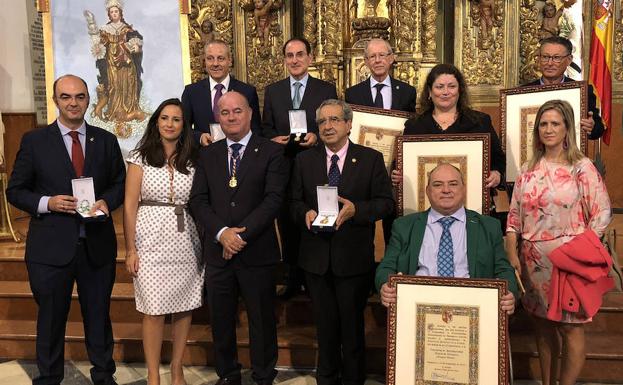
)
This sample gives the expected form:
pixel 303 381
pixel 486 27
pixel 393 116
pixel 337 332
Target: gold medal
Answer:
pixel 233 182
pixel 297 138
pixel 324 220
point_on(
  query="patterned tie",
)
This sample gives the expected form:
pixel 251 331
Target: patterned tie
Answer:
pixel 217 96
pixel 445 255
pixel 235 158
pixel 334 171
pixel 296 100
pixel 378 100
pixel 77 157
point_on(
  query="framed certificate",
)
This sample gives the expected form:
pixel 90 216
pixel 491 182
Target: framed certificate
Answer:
pixel 378 129
pixel 518 112
pixel 447 331
pixel 418 155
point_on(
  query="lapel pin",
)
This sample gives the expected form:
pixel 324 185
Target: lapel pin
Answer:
pixel 92 139
pixel 354 160
pixel 397 87
pixel 255 149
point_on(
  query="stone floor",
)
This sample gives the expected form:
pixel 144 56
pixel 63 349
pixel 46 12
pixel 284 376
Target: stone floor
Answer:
pixel 20 372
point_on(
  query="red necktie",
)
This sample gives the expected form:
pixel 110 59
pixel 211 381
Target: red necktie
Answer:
pixel 217 96
pixel 77 157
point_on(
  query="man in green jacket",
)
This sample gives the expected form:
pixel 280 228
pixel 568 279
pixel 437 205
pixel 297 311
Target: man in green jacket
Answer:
pixel 447 241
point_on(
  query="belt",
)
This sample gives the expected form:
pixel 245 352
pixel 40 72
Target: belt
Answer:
pixel 178 210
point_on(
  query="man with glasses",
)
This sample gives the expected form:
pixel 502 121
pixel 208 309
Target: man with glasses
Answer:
pixel 200 100
pixel 339 266
pixel 554 58
pixel 381 90
pixel 299 91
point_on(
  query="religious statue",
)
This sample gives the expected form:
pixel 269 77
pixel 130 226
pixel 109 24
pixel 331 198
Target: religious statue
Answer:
pixel 484 15
pixel 118 51
pixel 264 13
pixel 551 18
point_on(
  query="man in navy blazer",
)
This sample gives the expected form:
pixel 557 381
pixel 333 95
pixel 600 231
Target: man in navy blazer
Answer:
pixel 198 99
pixel 237 192
pixel 279 99
pixel 61 248
pixel 554 58
pixel 393 94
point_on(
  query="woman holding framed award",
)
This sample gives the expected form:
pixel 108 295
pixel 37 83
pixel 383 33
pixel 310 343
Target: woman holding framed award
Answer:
pixel 559 204
pixel 445 110
pixel 162 246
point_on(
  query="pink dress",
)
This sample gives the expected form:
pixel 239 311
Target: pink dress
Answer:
pixel 547 210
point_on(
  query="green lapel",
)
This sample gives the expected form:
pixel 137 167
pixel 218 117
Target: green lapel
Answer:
pixel 419 226
pixel 472 241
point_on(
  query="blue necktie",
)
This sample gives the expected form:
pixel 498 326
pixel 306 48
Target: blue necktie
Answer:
pixel 235 158
pixel 334 171
pixel 445 255
pixel 296 100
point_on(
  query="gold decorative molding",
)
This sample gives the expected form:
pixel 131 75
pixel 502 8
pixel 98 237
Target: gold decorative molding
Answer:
pixel 529 40
pixel 208 19
pixel 330 19
pixel 309 21
pixel 429 41
pixel 407 17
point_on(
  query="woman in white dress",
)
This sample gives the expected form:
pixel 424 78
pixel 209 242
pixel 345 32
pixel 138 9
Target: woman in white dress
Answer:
pixel 162 245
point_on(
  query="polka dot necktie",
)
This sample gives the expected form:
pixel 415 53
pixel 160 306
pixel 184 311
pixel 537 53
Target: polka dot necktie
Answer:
pixel 334 171
pixel 378 100
pixel 445 255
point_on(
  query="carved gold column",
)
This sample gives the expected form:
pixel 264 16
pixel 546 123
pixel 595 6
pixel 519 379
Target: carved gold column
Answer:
pixel 529 40
pixel 485 51
pixel 328 55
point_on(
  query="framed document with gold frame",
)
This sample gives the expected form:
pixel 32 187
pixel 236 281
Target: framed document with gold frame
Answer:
pixel 518 108
pixel 447 331
pixel 378 129
pixel 417 155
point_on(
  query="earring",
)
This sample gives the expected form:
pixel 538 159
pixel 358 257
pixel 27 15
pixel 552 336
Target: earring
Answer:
pixel 565 144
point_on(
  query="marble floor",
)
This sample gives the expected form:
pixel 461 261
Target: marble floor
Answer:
pixel 20 372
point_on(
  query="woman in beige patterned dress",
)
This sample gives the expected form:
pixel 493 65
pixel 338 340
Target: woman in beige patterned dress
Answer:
pixel 162 246
pixel 550 198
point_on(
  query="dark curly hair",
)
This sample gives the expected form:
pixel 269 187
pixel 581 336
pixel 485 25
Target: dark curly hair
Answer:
pixel 426 102
pixel 150 146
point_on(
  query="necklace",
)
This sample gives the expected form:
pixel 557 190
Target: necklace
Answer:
pixel 445 123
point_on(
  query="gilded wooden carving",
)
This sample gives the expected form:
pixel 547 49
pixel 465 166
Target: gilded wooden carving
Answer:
pixel 331 19
pixel 406 16
pixel 429 42
pixel 529 40
pixel 309 21
pixel 486 15
pixel 208 19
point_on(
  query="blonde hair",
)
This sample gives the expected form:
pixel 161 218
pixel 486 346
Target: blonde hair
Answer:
pixel 572 153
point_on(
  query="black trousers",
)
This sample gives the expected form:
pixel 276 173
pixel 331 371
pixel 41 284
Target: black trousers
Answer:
pixel 338 305
pixel 52 287
pixel 256 284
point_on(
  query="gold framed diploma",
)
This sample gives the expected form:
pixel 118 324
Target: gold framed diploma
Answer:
pixel 445 331
pixel 418 155
pixel 378 129
pixel 518 108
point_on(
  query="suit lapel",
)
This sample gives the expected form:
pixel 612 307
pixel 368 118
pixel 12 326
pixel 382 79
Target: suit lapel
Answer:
pixel 395 94
pixel 89 144
pixel 367 93
pixel 418 236
pixel 472 241
pixel 321 170
pixel 205 83
pixel 350 165
pixel 220 165
pixel 308 90
pixel 57 145
pixel 284 90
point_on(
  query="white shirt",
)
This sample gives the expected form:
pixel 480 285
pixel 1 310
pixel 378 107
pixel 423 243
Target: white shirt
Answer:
pixel 385 91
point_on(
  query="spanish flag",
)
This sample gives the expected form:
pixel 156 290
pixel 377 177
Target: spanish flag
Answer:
pixel 601 60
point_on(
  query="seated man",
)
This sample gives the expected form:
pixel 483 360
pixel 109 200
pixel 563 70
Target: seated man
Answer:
pixel 471 243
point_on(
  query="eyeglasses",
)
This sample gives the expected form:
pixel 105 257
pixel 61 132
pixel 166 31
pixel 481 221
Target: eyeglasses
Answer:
pixel 332 119
pixel 381 56
pixel 555 59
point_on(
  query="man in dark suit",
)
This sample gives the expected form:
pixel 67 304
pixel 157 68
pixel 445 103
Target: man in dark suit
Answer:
pixel 381 90
pixel 237 192
pixel 554 58
pixel 61 248
pixel 339 266
pixel 200 100
pixel 447 240
pixel 299 91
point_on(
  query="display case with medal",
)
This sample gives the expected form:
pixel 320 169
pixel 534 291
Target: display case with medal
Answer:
pixel 298 124
pixel 84 191
pixel 328 209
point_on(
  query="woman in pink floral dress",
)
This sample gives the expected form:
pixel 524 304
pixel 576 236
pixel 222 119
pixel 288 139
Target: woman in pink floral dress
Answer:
pixel 551 195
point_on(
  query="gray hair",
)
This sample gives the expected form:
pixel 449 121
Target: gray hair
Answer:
pixel 217 42
pixel 377 40
pixel 348 112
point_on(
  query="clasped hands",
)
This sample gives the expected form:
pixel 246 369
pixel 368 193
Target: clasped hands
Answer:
pixel 346 212
pixel 67 204
pixel 231 241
